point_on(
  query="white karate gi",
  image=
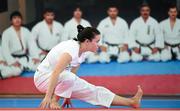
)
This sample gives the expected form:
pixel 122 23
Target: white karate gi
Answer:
pixel 43 39
pixel 171 37
pixel 70 85
pixel 70 28
pixel 12 45
pixel 6 70
pixel 148 33
pixel 114 37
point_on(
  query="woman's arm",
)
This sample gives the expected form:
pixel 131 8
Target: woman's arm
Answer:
pixel 75 69
pixel 63 61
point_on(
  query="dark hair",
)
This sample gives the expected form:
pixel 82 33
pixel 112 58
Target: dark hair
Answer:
pixel 86 33
pixel 112 6
pixel 46 10
pixel 144 5
pixel 77 6
pixel 173 6
pixel 15 13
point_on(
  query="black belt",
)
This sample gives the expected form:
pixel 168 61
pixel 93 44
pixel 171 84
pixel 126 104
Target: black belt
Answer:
pixel 174 45
pixel 145 45
pixel 110 44
pixel 113 45
pixel 20 56
pixel 41 47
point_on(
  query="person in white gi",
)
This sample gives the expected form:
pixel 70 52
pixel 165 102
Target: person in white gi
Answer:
pixel 6 70
pixel 15 44
pixel 145 37
pixel 70 27
pixel 46 34
pixel 114 41
pixel 56 75
pixel 171 32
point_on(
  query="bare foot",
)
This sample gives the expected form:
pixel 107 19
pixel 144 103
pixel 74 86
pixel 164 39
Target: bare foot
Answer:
pixel 137 98
pixel 54 105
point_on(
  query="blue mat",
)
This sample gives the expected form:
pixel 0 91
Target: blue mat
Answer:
pixel 34 103
pixel 132 68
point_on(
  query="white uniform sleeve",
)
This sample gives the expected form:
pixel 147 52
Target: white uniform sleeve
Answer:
pixel 132 36
pixel 1 56
pixel 159 39
pixel 33 48
pixel 6 51
pixel 88 24
pixel 30 45
pixel 100 27
pixel 61 30
pixel 126 33
pixel 161 25
pixel 65 32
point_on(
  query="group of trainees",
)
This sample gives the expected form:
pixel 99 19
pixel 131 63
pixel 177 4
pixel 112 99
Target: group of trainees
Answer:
pixel 146 39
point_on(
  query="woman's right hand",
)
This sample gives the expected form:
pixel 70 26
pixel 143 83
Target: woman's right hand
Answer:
pixel 45 103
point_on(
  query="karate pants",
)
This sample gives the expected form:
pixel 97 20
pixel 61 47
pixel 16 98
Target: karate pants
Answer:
pixel 71 86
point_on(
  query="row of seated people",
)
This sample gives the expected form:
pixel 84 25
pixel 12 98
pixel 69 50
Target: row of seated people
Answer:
pixel 145 39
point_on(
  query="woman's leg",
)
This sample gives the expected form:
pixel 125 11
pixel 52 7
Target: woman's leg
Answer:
pixel 133 102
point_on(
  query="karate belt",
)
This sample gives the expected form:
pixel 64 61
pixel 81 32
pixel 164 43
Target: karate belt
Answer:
pixel 174 55
pixel 145 45
pixel 174 45
pixel 20 56
pixel 113 45
pixel 110 44
pixel 45 50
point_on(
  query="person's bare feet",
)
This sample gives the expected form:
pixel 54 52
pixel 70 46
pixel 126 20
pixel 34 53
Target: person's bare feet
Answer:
pixel 137 98
pixel 54 105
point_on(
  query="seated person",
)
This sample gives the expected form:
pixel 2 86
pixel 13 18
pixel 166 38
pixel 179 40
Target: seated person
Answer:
pixel 46 34
pixel 145 37
pixel 6 70
pixel 70 27
pixel 15 45
pixel 114 33
pixel 171 33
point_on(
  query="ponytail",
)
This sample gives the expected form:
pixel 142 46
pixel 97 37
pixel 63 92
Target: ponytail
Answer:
pixel 86 33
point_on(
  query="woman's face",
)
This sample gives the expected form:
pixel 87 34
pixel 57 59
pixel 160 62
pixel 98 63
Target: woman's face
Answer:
pixel 16 21
pixel 93 45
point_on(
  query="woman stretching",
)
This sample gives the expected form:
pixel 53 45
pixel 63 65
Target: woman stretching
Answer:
pixel 56 75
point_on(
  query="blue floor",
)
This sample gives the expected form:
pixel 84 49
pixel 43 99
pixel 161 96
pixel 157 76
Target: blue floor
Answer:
pixel 132 68
pixel 34 102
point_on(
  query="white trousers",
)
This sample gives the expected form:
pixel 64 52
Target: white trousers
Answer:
pixel 166 53
pixel 71 86
pixel 123 57
pixel 145 51
pixel 10 71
